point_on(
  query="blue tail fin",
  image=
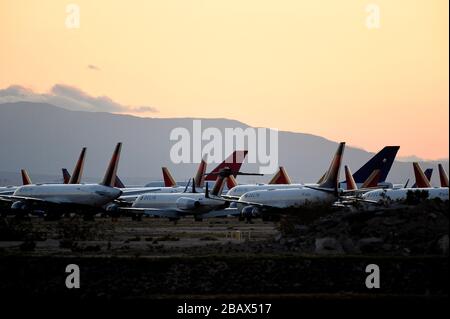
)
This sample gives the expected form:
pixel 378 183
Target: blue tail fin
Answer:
pixel 382 160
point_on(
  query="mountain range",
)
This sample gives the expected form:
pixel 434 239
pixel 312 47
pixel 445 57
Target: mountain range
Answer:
pixel 43 138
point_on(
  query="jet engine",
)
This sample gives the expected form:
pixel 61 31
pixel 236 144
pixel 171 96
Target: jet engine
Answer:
pixel 187 203
pixel 19 206
pixel 250 211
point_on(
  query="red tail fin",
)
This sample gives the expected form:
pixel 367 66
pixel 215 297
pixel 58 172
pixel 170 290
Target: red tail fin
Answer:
pixel 78 170
pixel 110 174
pixel 234 162
pixel 331 178
pixel 421 179
pixel 281 177
pixel 169 181
pixel 443 176
pixel 372 180
pixel 26 180
pixel 351 185
pixel 66 176
pixel 200 176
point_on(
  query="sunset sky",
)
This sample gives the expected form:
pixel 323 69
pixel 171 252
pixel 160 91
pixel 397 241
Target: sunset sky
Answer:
pixel 305 66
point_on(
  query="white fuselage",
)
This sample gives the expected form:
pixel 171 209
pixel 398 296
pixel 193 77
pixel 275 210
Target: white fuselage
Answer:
pixel 240 190
pixel 177 201
pixel 78 194
pixel 288 197
pixel 401 194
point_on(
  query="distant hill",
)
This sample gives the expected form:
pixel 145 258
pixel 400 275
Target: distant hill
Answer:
pixel 44 138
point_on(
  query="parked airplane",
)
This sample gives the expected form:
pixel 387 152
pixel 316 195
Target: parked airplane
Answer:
pixel 264 202
pixel 424 190
pixel 56 199
pixel 177 205
pixel 381 161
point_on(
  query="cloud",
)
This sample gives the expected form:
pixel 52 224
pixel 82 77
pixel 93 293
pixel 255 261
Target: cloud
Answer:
pixel 93 67
pixel 144 109
pixel 71 98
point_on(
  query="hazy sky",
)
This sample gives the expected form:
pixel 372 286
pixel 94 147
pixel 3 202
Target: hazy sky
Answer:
pixel 306 66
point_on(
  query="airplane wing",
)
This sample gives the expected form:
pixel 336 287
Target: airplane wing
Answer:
pixel 14 198
pixel 154 212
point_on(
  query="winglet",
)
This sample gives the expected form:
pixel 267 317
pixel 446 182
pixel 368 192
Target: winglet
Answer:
pixel 332 175
pixel 443 176
pixel 169 181
pixel 78 170
pixel 110 174
pixel 281 177
pixel 421 180
pixel 118 183
pixel 26 180
pixel 66 175
pixel 351 185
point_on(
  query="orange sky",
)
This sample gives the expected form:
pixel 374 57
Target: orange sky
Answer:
pixel 305 66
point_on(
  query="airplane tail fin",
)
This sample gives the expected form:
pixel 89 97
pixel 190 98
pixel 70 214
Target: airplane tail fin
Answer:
pixel 382 160
pixel 281 177
pixel 169 181
pixel 233 162
pixel 26 180
pixel 332 175
pixel 119 183
pixel 218 185
pixel 421 179
pixel 231 182
pixel 66 175
pixel 322 178
pixel 443 176
pixel 351 185
pixel 110 175
pixel 200 176
pixel 428 173
pixel 78 170
pixel 372 180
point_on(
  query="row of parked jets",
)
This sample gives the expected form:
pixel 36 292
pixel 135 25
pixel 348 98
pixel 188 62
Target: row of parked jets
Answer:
pixel 367 187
